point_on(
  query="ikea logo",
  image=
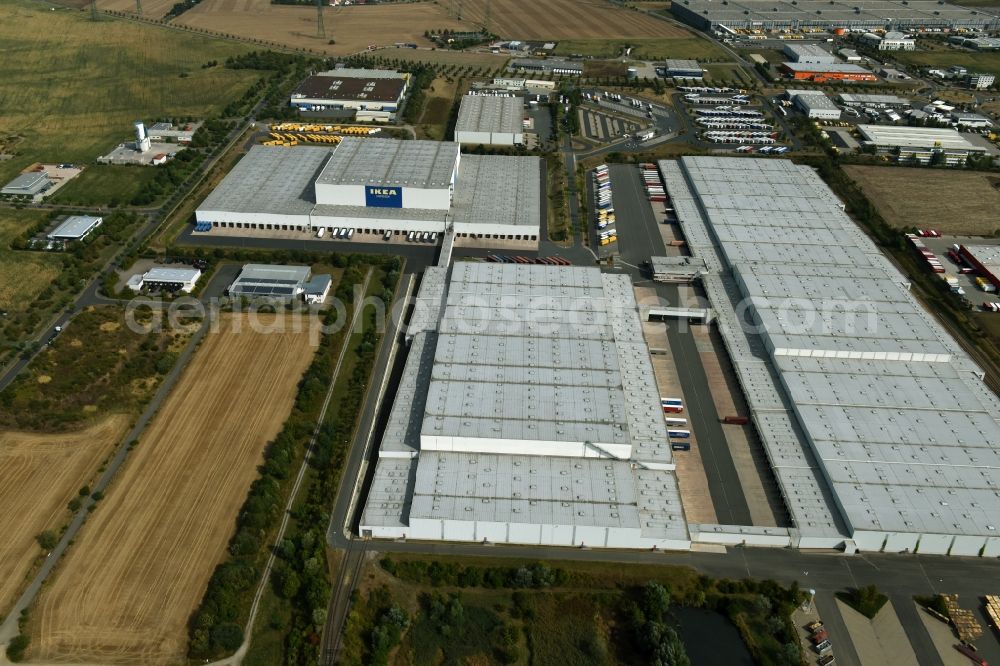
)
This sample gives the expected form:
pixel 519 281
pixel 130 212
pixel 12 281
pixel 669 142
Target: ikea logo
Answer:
pixel 381 196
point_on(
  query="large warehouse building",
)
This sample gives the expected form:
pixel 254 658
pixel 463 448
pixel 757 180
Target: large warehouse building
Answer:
pixel 372 90
pixel 821 73
pixel 919 144
pixel 538 426
pixel 490 120
pixel 900 15
pixel 879 428
pixel 379 185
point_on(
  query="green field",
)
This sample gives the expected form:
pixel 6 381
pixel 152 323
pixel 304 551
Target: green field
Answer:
pixel 104 184
pixel 487 61
pixel 946 57
pixel 23 274
pixel 72 87
pixel 728 72
pixel 643 49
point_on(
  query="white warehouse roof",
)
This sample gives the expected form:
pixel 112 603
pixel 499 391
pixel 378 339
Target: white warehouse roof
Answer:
pixel 368 161
pixel 538 425
pixel 904 432
pixel 490 113
pixel 902 136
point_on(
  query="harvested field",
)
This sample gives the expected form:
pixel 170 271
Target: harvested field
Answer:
pixel 351 28
pixel 150 8
pixel 966 205
pixel 140 565
pixel 567 19
pixel 39 475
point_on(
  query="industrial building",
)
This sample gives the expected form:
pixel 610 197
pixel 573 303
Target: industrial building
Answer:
pixel 167 132
pixel 809 53
pixel 144 150
pixel 985 259
pixel 822 73
pixel 890 41
pixel 547 65
pixel 75 227
pixel 27 184
pixel 970 120
pixel 849 55
pixel 676 268
pixel 490 120
pixel 815 104
pixel 541 426
pixel 367 90
pixel 682 69
pixel 978 81
pixel 920 144
pixel 770 15
pixel 378 185
pixel 876 101
pixel 977 43
pixel 270 281
pixel 879 428
pixel 160 278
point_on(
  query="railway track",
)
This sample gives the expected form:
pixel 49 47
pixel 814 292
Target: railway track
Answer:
pixel 340 600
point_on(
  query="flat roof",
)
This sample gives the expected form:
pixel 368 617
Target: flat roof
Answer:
pixel 862 98
pixel 812 12
pixel 364 73
pixel 369 161
pixel 894 413
pixel 987 255
pixel 162 274
pixel 75 226
pixel 270 179
pixel 901 136
pixel 842 67
pixel 27 181
pixel 327 87
pixel 817 100
pixel 545 64
pixel 566 362
pixel 677 63
pixel 802 50
pixel 270 280
pixel 498 189
pixel 490 113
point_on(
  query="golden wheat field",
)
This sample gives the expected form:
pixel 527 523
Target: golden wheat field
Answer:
pixel 141 563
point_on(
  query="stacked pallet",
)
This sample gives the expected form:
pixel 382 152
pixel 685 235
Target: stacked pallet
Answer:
pixel 964 621
pixel 993 610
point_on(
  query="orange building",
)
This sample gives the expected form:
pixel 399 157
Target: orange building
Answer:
pixel 821 73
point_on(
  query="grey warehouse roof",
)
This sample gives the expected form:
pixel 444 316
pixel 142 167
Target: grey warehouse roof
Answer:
pixel 498 189
pixel 270 280
pixel 531 353
pixel 902 136
pixel 270 179
pixel 895 415
pixel 490 113
pixel 161 274
pixel 75 226
pixel 31 182
pixel 423 164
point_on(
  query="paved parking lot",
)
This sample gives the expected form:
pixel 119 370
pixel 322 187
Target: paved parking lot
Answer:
pixel 973 293
pixel 604 127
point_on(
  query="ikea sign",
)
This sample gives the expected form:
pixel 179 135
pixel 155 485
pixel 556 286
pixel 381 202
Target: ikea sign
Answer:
pixel 381 196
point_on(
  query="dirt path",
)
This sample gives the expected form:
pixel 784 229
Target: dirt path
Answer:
pixel 141 563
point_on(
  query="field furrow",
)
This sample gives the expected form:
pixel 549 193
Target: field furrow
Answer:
pixel 141 564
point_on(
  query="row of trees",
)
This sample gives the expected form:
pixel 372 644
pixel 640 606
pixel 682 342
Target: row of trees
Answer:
pixel 300 575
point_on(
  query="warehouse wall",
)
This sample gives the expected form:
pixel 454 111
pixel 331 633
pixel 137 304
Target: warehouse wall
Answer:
pixel 262 220
pixel 521 447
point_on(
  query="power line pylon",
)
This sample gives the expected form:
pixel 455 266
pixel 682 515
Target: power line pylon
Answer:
pixel 320 27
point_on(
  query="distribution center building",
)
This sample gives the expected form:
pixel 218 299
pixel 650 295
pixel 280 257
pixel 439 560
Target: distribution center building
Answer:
pixel 352 89
pixel 683 69
pixel 541 425
pixel 821 73
pixel 919 144
pixel 167 279
pixel 880 430
pixel 27 184
pixel 810 53
pixel 724 17
pixel 815 104
pixel 378 185
pixel 985 259
pixel 490 120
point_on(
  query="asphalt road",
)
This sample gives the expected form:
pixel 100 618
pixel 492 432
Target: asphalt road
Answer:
pixel 9 628
pixel 639 238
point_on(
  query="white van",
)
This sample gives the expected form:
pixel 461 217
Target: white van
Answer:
pixel 409 236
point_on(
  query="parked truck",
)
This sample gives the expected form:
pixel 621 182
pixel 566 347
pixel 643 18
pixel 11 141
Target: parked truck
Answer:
pixel 736 420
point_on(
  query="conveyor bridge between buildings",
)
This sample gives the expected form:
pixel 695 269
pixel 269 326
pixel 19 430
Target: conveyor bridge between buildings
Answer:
pixel 661 313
